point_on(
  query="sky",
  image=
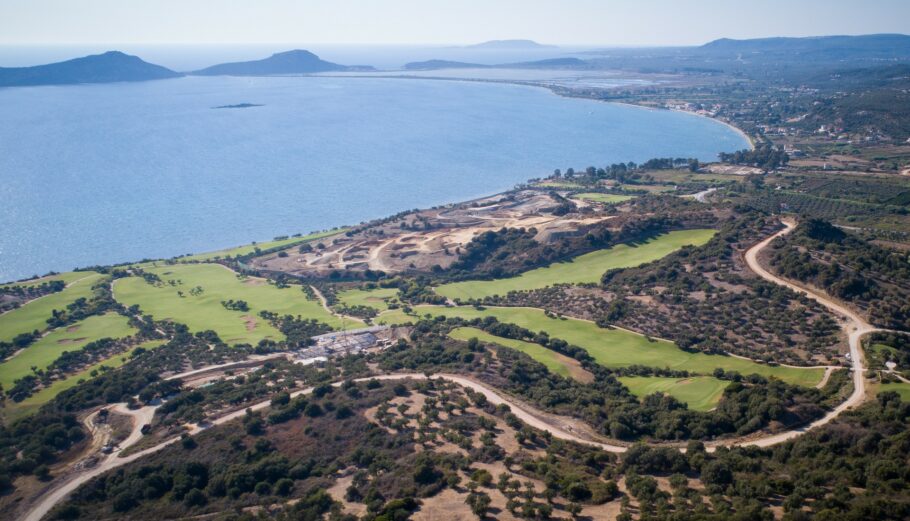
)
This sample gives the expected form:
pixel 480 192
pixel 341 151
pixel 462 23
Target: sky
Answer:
pixel 567 22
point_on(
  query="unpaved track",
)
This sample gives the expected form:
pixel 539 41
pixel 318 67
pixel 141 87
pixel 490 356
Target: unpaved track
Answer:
pixel 560 427
pixel 854 326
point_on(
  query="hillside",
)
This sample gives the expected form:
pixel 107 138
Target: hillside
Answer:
pixel 288 62
pixel 111 66
pixel 879 45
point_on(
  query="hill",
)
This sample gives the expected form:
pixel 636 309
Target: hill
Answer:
pixel 290 62
pixel 878 45
pixel 109 67
pixel 552 63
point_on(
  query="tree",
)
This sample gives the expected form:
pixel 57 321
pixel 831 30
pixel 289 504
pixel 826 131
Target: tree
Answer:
pixel 479 503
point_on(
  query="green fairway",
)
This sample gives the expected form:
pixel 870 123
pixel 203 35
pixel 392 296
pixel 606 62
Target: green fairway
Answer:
pixel 584 268
pixel 68 277
pixel 602 198
pixel 901 388
pixel 49 347
pixel 13 411
pixel 555 362
pixel 700 393
pixel 374 298
pixel 34 314
pixel 205 311
pixel 268 245
pixel 615 347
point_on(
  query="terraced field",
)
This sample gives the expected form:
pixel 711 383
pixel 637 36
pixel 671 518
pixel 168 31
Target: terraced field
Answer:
pixel 700 393
pixel 584 268
pixel 48 348
pixel 33 315
pixel 615 347
pixel 555 362
pixel 202 311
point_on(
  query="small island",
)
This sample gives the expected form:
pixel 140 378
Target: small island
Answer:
pixel 239 106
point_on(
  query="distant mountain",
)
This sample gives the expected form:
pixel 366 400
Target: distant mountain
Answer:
pixel 510 44
pixel 289 62
pixel 109 67
pixel 442 64
pixel 885 45
pixel 552 63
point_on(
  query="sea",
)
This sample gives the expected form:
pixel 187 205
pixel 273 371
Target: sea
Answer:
pixel 110 173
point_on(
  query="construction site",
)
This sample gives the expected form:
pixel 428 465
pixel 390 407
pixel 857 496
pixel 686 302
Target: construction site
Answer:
pixel 422 239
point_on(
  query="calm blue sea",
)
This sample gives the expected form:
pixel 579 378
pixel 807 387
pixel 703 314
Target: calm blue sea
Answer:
pixel 99 174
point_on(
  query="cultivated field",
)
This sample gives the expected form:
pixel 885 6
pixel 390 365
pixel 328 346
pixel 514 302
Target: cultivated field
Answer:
pixel 602 198
pixel 555 362
pixel 374 298
pixel 49 347
pixel 202 311
pixel 615 347
pixel 700 393
pixel 34 314
pixel 584 268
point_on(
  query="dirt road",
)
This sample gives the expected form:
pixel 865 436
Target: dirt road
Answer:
pixel 560 427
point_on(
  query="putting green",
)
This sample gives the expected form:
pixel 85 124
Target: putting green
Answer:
pixel 34 314
pixel 250 248
pixel 700 393
pixel 49 347
pixel 204 311
pixel 374 298
pixel 900 388
pixel 584 268
pixel 602 198
pixel 556 363
pixel 615 347
pixel 12 411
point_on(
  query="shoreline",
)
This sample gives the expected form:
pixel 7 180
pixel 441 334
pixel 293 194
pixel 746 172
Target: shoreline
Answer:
pixel 552 89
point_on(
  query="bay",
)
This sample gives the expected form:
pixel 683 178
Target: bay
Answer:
pixel 100 174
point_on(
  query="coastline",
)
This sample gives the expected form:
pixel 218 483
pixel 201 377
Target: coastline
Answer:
pixel 552 89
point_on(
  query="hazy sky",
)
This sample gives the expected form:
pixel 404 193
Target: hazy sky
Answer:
pixel 588 22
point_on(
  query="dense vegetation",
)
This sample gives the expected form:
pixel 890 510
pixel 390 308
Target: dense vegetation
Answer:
pixel 875 279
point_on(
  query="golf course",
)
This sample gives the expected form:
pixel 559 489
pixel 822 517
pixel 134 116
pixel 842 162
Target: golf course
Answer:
pixel 597 197
pixel 48 348
pixel 587 268
pixel 555 362
pixel 251 248
pixel 614 347
pixel 33 315
pixel 192 294
pixel 373 298
pixel 700 393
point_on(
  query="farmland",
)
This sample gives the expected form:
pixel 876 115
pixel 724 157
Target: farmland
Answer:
pixel 192 294
pixel 700 393
pixel 49 347
pixel 616 347
pixel 587 268
pixel 33 315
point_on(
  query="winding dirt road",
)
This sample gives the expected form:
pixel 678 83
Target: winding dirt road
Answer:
pixel 560 427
